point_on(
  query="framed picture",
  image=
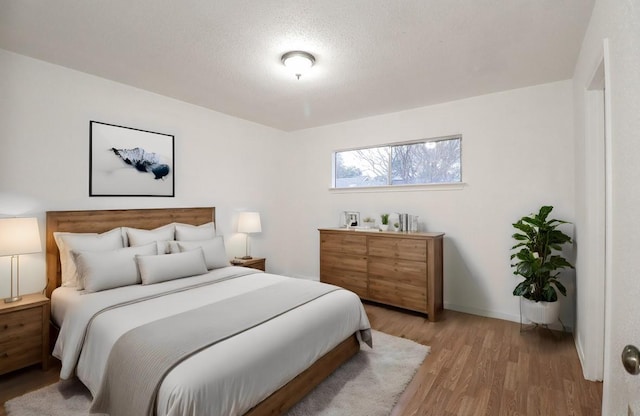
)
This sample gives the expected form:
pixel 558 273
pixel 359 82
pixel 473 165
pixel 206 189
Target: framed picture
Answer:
pixel 352 218
pixel 124 161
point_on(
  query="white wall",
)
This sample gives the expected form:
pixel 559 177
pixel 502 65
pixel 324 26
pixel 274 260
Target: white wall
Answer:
pixel 619 21
pixel 517 154
pixel 45 110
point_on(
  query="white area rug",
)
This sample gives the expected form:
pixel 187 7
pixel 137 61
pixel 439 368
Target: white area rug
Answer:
pixel 368 385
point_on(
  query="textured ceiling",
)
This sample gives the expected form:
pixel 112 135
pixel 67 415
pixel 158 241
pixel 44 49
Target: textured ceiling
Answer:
pixel 372 56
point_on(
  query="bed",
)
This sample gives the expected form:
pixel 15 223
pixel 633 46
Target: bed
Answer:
pixel 263 369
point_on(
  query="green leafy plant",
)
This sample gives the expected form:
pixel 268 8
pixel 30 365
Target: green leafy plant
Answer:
pixel 384 218
pixel 537 240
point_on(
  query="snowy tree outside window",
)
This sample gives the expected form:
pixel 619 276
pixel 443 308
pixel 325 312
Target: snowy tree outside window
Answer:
pixel 429 161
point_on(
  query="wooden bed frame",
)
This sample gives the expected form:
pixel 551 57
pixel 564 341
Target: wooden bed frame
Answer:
pixel 104 220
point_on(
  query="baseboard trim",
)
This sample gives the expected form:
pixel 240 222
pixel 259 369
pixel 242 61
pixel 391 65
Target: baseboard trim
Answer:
pixel 580 352
pixel 482 312
pixel 588 372
pixel 497 315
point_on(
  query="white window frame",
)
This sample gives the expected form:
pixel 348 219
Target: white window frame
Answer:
pixel 398 187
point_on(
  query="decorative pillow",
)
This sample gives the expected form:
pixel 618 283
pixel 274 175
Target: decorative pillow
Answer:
pixel 172 247
pixel 68 242
pixel 186 232
pixel 167 247
pixel 163 267
pixel 101 270
pixel 139 237
pixel 215 255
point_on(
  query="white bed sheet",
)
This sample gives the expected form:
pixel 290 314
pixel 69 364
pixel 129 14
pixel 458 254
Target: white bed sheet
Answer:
pixel 228 378
pixel 63 299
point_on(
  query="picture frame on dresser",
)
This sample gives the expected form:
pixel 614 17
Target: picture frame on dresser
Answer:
pixel 126 161
pixel 352 218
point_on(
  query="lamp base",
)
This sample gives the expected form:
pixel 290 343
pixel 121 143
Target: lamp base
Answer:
pixel 246 258
pixel 12 299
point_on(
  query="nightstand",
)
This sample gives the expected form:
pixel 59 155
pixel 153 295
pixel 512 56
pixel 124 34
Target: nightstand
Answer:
pixel 24 333
pixel 254 263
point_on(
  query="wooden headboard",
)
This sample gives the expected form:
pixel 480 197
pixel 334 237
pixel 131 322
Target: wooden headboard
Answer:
pixel 105 220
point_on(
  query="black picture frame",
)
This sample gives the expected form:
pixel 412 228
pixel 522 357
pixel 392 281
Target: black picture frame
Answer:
pixel 125 161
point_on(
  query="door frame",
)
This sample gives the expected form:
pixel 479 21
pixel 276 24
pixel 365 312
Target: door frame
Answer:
pixel 596 242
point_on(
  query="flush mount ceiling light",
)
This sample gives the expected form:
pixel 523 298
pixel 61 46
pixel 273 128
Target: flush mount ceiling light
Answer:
pixel 298 62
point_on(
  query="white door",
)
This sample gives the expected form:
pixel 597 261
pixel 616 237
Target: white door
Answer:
pixel 622 389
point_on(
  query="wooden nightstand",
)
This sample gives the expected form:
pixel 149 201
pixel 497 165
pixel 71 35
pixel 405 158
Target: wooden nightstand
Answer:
pixel 254 263
pixel 24 333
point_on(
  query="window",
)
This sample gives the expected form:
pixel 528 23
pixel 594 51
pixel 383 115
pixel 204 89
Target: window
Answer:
pixel 429 161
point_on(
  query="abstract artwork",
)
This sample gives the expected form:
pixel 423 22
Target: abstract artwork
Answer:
pixel 130 162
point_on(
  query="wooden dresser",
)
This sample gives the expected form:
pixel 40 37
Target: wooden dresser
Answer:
pixel 394 268
pixel 24 333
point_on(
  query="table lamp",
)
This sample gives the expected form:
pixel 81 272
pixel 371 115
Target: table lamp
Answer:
pixel 249 222
pixel 18 236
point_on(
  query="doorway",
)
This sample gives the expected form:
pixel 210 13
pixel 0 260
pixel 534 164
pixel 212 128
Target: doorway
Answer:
pixel 590 337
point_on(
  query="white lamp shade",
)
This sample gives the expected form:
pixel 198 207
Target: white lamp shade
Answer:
pixel 249 222
pixel 19 236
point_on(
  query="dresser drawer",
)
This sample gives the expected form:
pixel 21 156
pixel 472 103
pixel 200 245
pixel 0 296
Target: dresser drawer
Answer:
pixel 398 294
pixel 331 260
pixel 20 324
pixel 345 270
pixel 350 280
pixel 413 273
pixel 20 352
pixel 398 248
pixel 343 243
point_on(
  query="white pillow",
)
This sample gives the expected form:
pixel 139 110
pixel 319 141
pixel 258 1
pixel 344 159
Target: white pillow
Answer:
pixel 68 242
pixel 172 247
pixel 167 247
pixel 187 232
pixel 139 237
pixel 163 267
pixel 215 255
pixel 101 270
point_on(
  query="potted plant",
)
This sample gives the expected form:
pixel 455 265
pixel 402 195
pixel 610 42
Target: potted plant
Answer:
pixel 369 222
pixel 537 239
pixel 384 220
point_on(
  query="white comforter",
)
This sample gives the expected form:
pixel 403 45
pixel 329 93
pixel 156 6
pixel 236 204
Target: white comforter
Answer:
pixel 228 378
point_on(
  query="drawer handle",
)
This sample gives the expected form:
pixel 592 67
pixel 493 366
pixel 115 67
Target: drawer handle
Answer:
pixel 6 327
pixel 4 355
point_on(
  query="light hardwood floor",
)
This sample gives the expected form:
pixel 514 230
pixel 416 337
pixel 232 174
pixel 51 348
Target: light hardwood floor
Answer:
pixel 477 366
pixel 486 367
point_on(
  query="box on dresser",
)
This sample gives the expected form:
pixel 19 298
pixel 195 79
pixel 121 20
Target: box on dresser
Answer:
pixel 394 268
pixel 24 333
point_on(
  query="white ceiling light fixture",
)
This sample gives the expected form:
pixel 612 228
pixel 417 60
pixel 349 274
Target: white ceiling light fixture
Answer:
pixel 298 62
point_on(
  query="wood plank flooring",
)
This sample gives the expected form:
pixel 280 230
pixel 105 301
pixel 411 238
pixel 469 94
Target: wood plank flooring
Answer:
pixel 477 366
pixel 28 379
pixel 485 367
